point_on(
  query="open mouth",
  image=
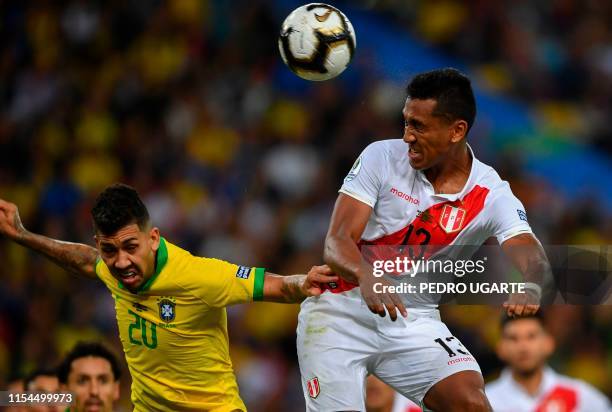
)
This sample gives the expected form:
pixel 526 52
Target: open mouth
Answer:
pixel 413 154
pixel 128 275
pixel 129 278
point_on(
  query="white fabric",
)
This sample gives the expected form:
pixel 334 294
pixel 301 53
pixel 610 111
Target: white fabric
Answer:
pixel 386 182
pixel 339 340
pixel 340 351
pixel 506 395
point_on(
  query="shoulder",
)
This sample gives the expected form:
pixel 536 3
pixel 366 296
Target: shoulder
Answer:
pixel 386 147
pixel 184 262
pixel 103 272
pixel 495 388
pixel 378 156
pixel 178 258
pixel 487 177
pixel 585 389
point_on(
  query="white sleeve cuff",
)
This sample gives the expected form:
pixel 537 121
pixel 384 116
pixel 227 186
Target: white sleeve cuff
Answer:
pixel 359 196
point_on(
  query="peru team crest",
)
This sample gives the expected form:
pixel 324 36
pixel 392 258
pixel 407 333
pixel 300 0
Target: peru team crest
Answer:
pixel 452 218
pixel 313 387
pixel 167 310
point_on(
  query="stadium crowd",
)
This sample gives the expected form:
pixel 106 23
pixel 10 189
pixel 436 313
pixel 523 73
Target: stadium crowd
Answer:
pixel 557 53
pixel 179 99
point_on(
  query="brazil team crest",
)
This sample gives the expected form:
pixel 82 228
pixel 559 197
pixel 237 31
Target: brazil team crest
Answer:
pixel 167 309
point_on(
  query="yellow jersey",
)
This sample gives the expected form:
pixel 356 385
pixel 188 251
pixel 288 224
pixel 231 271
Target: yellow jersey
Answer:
pixel 174 330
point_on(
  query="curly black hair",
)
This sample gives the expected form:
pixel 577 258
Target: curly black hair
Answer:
pixel 83 350
pixel 118 206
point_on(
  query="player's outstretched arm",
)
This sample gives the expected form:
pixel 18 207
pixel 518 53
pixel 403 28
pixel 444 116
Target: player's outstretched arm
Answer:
pixel 528 256
pixel 296 288
pixel 76 258
pixel 341 253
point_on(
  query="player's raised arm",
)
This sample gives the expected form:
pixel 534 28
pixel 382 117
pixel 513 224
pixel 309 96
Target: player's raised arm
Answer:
pixel 296 288
pixel 341 253
pixel 347 224
pixel 528 256
pixel 76 258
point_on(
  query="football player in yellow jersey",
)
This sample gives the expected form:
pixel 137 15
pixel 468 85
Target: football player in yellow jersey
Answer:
pixel 170 305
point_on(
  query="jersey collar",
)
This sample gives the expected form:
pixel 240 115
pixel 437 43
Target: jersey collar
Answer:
pixel 161 258
pixel 454 196
pixel 548 381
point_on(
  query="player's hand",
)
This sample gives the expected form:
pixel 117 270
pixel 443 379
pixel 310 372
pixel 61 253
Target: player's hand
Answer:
pixel 10 223
pixel 377 302
pixel 316 277
pixel 522 304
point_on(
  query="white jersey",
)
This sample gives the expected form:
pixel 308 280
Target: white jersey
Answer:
pixel 401 404
pixel 339 341
pixel 556 393
pixel 406 209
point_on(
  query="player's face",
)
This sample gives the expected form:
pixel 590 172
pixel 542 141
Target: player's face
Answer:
pixel 379 395
pixel 48 384
pixel 430 138
pixel 525 345
pixel 93 384
pixel 130 254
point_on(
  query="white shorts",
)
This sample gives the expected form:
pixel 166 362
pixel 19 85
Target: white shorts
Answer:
pixel 340 342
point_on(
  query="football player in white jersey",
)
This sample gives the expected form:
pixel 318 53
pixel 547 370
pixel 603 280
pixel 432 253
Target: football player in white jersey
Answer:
pixel 528 384
pixel 425 189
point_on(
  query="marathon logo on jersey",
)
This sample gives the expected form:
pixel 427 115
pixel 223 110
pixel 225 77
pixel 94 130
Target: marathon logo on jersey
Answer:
pixel 167 309
pixel 405 196
pixel 522 215
pixel 452 218
pixel 243 272
pixel 354 170
pixel 313 387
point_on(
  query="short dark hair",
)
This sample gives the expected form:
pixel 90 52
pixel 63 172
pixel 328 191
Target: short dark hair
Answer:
pixel 117 206
pixel 452 91
pixel 505 319
pixel 83 350
pixel 35 374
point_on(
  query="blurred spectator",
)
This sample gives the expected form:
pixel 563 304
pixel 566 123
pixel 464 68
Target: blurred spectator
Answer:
pixel 528 383
pixel 380 397
pixel 16 386
pixel 91 372
pixel 45 381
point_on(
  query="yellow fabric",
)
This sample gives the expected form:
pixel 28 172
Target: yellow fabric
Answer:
pixel 182 363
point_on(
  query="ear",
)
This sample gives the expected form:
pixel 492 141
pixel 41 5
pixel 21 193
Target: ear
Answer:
pixel 154 237
pixel 458 131
pixel 116 391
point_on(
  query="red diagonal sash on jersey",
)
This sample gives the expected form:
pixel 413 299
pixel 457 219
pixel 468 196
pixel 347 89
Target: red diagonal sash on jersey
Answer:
pixel 560 399
pixel 439 225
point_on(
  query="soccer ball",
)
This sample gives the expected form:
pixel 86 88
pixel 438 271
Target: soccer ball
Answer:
pixel 317 41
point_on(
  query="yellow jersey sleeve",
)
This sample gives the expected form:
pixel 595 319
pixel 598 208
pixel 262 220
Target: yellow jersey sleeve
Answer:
pixel 223 283
pixel 102 274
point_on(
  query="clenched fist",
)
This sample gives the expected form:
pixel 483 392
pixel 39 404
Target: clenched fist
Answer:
pixel 10 223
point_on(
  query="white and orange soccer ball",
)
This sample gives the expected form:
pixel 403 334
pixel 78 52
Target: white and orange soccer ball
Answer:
pixel 317 41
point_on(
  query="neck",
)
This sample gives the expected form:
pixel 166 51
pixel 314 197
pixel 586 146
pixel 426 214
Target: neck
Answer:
pixel 451 174
pixel 530 381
